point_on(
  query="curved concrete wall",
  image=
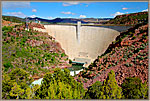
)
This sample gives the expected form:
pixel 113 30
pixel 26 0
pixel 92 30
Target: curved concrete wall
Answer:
pixel 93 41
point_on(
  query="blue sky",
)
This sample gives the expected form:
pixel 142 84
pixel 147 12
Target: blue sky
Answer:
pixel 51 10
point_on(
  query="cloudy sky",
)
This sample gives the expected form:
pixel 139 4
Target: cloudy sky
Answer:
pixel 50 10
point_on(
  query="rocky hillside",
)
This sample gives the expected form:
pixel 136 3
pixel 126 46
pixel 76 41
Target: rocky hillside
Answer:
pixel 33 51
pixel 37 25
pixel 130 19
pixel 8 23
pixel 13 19
pixel 127 56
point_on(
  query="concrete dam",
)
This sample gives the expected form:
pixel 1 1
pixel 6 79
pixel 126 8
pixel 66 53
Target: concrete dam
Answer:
pixel 84 44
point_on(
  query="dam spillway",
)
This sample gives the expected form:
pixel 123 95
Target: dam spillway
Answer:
pixel 84 46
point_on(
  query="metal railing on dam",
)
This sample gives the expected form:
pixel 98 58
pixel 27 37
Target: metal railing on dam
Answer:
pixel 86 45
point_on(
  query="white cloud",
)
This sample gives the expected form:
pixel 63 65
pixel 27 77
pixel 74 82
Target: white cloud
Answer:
pixel 33 16
pixel 50 17
pixel 145 10
pixel 69 17
pixel 18 14
pixel 82 16
pixel 125 8
pixel 68 13
pixel 34 10
pixel 70 3
pixel 117 13
pixel 13 5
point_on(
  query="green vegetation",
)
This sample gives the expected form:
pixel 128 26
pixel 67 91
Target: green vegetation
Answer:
pixel 131 19
pixel 128 52
pixel 94 91
pixel 133 88
pixel 15 84
pixel 57 85
pixel 60 85
pixel 26 50
pixel 13 19
pixel 28 53
pixel 108 90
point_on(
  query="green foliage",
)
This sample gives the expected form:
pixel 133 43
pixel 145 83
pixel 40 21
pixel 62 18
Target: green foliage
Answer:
pixel 16 91
pixel 21 60
pixel 70 61
pixel 127 64
pixel 63 54
pixel 13 19
pixel 16 85
pixel 18 53
pixel 133 37
pixel 7 29
pixel 59 85
pixel 7 66
pixel 94 91
pixel 133 88
pixel 6 86
pixel 130 19
pixel 21 77
pixel 108 90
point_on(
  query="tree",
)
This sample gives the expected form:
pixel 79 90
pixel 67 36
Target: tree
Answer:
pixel 15 85
pixel 59 85
pixel 21 77
pixel 30 92
pixel 94 91
pixel 133 88
pixel 108 90
pixel 6 86
pixel 16 91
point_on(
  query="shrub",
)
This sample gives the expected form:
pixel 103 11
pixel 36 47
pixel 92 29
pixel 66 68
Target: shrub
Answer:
pixel 133 88
pixel 7 66
pixel 133 37
pixel 63 54
pixel 108 90
pixel 94 91
pixel 127 64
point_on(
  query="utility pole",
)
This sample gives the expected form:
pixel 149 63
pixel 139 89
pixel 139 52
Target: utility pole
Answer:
pixel 26 23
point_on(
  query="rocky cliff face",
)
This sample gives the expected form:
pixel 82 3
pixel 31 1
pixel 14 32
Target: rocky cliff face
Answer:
pixel 127 56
